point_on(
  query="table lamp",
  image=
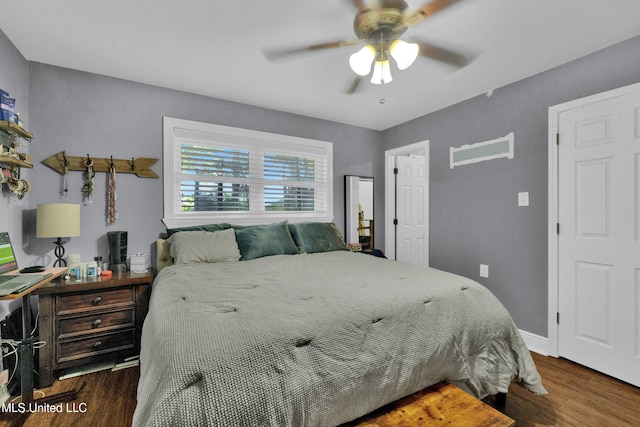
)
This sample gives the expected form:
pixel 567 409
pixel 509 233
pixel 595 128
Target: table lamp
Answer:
pixel 58 220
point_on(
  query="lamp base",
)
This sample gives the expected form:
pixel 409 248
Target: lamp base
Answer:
pixel 59 253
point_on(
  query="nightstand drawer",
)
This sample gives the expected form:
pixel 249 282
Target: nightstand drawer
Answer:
pixel 92 300
pixel 78 325
pixel 95 345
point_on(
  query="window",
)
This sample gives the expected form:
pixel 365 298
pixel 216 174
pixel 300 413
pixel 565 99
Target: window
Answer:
pixel 220 174
pixel 481 151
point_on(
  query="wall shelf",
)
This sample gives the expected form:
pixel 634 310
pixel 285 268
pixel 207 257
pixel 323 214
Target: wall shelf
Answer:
pixel 14 129
pixel 13 162
pixel 10 161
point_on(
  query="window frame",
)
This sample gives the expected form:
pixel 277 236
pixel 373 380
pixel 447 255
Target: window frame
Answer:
pixel 176 131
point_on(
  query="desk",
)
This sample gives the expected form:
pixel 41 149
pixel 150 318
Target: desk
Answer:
pixel 26 346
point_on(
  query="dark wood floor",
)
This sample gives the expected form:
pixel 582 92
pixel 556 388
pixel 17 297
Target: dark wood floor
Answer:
pixel 108 399
pixel 577 397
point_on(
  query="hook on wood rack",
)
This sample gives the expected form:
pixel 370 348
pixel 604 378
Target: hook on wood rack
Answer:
pixel 141 166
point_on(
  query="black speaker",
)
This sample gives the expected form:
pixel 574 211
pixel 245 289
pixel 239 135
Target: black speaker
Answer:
pixel 117 251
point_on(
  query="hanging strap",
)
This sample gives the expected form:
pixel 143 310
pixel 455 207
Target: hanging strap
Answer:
pixel 112 213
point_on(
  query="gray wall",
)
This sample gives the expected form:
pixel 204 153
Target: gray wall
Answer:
pixel 474 214
pixel 14 78
pixel 85 113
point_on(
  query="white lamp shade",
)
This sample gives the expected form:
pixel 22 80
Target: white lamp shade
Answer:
pixel 404 53
pixel 381 73
pixel 57 220
pixel 361 61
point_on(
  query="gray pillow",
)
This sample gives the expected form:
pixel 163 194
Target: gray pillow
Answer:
pixel 187 247
pixel 312 237
pixel 264 240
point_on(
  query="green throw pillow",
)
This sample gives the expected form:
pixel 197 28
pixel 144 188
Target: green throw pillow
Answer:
pixel 312 237
pixel 203 227
pixel 263 240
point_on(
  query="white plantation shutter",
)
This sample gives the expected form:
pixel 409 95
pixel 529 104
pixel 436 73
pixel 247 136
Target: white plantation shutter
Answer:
pixel 213 178
pixel 294 183
pixel 215 173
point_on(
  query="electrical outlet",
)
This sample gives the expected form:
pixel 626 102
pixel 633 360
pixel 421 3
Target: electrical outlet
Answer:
pixel 484 271
pixel 523 199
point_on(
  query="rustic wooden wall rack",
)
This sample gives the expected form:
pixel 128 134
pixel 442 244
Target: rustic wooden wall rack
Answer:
pixel 141 166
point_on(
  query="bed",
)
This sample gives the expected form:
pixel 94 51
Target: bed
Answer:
pixel 280 325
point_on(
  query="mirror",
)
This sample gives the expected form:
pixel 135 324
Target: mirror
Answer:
pixel 358 192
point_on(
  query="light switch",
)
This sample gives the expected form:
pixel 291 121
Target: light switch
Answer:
pixel 523 199
pixel 484 271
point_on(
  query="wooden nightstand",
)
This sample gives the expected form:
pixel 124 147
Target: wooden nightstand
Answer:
pixel 91 320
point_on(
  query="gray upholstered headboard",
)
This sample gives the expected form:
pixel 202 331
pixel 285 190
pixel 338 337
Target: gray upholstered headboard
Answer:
pixel 163 257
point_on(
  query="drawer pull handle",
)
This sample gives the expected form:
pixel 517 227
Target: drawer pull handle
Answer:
pixel 96 300
pixel 98 344
pixel 97 323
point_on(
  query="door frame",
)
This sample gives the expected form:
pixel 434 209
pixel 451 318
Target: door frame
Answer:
pixel 421 148
pixel 554 205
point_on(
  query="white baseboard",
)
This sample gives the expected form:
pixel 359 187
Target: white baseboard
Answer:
pixel 536 343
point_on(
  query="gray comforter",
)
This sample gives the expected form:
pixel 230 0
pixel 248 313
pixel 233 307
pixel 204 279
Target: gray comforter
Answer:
pixel 316 340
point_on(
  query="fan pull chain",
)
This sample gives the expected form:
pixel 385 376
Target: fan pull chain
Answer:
pixel 382 99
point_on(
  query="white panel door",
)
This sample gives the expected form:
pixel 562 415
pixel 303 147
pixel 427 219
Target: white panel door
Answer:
pixel 599 239
pixel 412 196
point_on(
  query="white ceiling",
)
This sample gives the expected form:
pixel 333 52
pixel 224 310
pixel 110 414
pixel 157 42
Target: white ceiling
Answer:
pixel 215 48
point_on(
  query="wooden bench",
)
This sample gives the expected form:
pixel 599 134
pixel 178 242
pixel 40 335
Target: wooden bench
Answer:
pixel 439 405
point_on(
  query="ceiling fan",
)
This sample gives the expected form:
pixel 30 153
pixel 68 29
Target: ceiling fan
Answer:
pixel 379 26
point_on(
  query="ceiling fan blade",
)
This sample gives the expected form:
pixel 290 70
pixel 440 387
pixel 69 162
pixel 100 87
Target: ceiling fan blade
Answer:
pixel 359 4
pixel 331 45
pixel 277 54
pixel 425 11
pixel 354 85
pixel 442 54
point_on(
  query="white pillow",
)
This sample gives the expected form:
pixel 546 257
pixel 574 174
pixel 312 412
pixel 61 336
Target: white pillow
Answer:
pixel 188 247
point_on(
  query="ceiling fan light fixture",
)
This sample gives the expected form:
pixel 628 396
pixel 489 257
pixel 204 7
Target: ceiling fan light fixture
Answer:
pixel 404 53
pixel 381 72
pixel 361 61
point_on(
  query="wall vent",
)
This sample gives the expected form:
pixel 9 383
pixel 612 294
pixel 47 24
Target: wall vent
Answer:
pixel 481 151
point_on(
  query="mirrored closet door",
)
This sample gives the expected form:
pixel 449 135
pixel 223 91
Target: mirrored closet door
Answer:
pixel 359 221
